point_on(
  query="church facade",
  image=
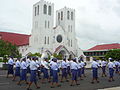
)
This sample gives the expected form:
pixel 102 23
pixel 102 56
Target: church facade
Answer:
pixel 60 39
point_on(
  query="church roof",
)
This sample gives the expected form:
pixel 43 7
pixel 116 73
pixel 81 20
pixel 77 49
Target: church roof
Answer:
pixel 15 38
pixel 105 47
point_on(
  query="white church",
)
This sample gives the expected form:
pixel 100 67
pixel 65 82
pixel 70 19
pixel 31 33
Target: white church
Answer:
pixel 60 39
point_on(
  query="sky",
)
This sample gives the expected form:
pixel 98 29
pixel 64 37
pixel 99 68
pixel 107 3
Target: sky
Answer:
pixel 97 21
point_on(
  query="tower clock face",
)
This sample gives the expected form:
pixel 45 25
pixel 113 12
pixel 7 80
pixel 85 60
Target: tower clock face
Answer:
pixel 59 38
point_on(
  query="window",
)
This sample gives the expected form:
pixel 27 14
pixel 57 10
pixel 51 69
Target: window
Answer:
pixel 48 40
pixel 68 14
pixel 71 15
pixel 45 9
pixel 68 28
pixel 61 15
pixel 45 24
pixel 35 11
pixel 48 24
pixel 45 40
pixel 71 28
pixel 71 43
pixel 38 10
pixel 49 10
pixel 58 16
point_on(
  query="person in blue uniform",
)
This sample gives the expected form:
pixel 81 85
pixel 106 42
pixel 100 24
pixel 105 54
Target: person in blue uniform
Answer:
pixel 68 68
pixel 64 70
pixel 33 73
pixel 111 67
pixel 83 64
pixel 79 69
pixel 95 66
pixel 74 70
pixel 103 65
pixel 54 67
pixel 23 74
pixel 10 66
pixel 17 69
pixel 119 67
pixel 45 67
pixel 38 69
pixel 28 60
pixel 116 66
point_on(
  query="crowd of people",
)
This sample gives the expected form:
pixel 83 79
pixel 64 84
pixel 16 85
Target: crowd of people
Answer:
pixel 55 71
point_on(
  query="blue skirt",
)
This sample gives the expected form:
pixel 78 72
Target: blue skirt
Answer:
pixel 33 76
pixel 79 72
pixel 74 74
pixel 103 69
pixel 64 72
pixel 45 73
pixel 111 72
pixel 55 76
pixel 95 72
pixel 10 69
pixel 51 72
pixel 68 70
pixel 82 70
pixel 23 74
pixel 28 69
pixel 17 71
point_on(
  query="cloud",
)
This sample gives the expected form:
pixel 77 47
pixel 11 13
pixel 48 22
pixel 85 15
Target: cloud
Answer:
pixel 97 21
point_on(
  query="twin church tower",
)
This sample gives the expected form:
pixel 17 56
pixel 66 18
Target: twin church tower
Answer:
pixel 60 39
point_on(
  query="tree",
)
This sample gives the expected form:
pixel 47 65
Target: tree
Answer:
pixel 114 54
pixel 7 49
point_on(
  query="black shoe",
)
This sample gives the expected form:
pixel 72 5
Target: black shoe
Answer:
pixel 77 84
pixel 98 81
pixel 92 82
pixel 37 87
pixel 52 87
pixel 58 85
pixel 29 89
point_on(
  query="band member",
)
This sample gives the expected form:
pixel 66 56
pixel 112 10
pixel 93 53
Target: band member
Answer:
pixel 54 67
pixel 10 66
pixel 33 67
pixel 64 70
pixel 116 66
pixel 95 66
pixel 23 74
pixel 103 65
pixel 17 69
pixel 111 67
pixel 79 69
pixel 74 70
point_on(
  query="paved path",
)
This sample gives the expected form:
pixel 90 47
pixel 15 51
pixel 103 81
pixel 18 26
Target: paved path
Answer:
pixel 7 84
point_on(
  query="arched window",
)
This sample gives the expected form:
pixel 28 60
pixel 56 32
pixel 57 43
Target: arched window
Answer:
pixel 48 24
pixel 68 15
pixel 61 15
pixel 68 28
pixel 45 24
pixel 71 28
pixel 45 39
pixel 48 40
pixel 58 16
pixel 71 43
pixel 35 11
pixel 45 9
pixel 71 15
pixel 49 10
pixel 38 10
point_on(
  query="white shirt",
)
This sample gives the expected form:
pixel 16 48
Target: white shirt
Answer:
pixel 116 63
pixel 45 64
pixel 64 64
pixel 79 65
pixel 11 61
pixel 103 63
pixel 33 65
pixel 23 65
pixel 82 64
pixel 74 66
pixel 54 66
pixel 28 62
pixel 68 63
pixel 95 64
pixel 111 65
pixel 17 64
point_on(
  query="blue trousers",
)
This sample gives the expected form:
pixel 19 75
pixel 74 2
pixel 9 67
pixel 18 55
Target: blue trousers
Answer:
pixel 79 72
pixel 103 69
pixel 45 73
pixel 83 70
pixel 64 72
pixel 95 72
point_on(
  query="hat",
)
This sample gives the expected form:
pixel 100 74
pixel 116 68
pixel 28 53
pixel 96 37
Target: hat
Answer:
pixel 54 59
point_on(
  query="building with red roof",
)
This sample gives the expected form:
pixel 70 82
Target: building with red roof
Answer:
pixel 20 40
pixel 100 50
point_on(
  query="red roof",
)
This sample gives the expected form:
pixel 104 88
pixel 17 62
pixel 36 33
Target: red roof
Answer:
pixel 15 38
pixel 106 47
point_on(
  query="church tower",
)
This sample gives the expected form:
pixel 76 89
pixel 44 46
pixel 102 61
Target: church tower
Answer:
pixel 42 26
pixel 65 18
